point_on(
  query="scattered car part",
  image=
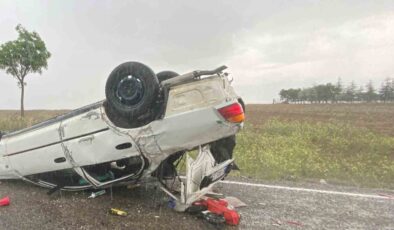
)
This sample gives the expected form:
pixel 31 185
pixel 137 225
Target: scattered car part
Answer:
pixel 220 207
pixel 117 212
pixel 96 194
pixel 215 195
pixel 389 196
pixel 235 202
pixel 202 173
pixel 5 201
pixel 296 223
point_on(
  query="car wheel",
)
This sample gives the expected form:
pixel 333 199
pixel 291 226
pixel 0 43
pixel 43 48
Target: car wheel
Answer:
pixel 223 149
pixel 131 89
pixel 165 75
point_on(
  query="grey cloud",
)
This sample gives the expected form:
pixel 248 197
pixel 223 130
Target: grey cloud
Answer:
pixel 267 44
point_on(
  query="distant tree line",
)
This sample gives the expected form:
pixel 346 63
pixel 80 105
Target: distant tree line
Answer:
pixel 337 93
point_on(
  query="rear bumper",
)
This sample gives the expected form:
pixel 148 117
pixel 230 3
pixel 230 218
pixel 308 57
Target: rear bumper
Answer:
pixel 189 130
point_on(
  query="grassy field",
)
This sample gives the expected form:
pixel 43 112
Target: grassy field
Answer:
pixel 10 120
pixel 342 144
pixel 349 144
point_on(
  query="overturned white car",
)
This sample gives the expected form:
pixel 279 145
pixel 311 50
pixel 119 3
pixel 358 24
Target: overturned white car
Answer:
pixel 141 131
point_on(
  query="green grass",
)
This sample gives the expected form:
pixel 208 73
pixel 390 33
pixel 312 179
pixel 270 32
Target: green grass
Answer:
pixel 15 123
pixel 295 150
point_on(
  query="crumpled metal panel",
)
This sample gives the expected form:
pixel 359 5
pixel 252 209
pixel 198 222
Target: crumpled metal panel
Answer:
pixel 187 126
pixel 188 130
pixel 83 123
pixel 204 165
pixel 96 147
pixel 203 93
pixel 146 140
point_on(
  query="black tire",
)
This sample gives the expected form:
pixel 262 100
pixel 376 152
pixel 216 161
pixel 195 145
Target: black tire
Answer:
pixel 131 90
pixel 223 149
pixel 165 75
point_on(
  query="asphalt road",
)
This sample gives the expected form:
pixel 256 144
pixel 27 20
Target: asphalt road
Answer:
pixel 268 208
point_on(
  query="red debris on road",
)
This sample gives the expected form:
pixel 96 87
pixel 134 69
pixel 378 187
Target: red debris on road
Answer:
pixel 5 201
pixel 294 223
pixel 220 207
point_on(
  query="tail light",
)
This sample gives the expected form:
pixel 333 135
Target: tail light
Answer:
pixel 233 113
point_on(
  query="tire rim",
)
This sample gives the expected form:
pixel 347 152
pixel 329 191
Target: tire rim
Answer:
pixel 130 90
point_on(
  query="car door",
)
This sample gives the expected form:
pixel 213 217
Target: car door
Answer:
pixel 88 140
pixel 36 150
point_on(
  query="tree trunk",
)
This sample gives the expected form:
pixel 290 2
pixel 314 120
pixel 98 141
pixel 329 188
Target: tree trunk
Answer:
pixel 22 99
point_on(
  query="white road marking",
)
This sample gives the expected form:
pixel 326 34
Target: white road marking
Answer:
pixel 309 190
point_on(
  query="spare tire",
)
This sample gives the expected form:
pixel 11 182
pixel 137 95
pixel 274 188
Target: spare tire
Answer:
pixel 165 75
pixel 131 90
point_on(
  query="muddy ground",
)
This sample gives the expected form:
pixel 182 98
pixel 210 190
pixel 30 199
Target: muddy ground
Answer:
pixel 147 208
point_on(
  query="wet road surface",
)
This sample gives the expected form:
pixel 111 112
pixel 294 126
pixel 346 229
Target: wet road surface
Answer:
pixel 268 208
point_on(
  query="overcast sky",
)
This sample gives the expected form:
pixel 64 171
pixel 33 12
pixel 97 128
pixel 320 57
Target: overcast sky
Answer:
pixel 268 45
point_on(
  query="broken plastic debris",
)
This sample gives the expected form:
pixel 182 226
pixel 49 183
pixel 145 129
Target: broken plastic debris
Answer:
pixel 235 202
pixel 215 195
pixel 96 194
pixel 386 195
pixel 294 223
pixel 276 222
pixel 322 181
pixel 5 201
pixel 117 212
pixel 220 207
pixel 171 203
